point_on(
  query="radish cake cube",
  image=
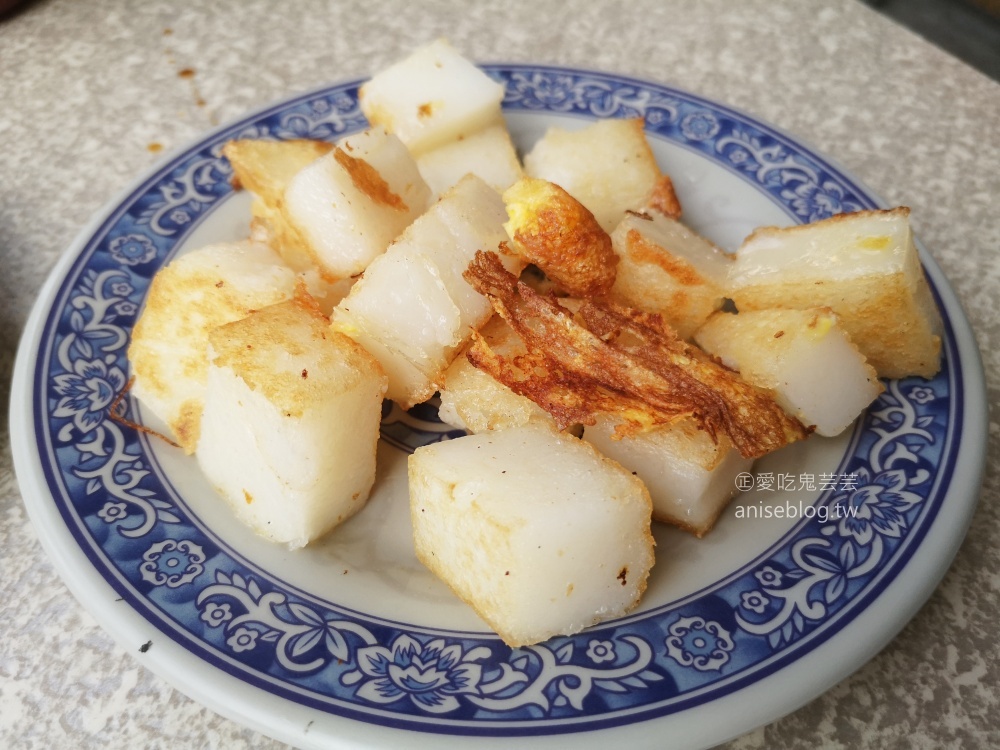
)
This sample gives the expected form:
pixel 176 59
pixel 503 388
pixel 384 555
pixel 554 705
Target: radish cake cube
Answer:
pixel 608 167
pixel 412 309
pixel 863 266
pixel 665 268
pixel 803 356
pixel 346 207
pixel 475 401
pixel 535 530
pixel 489 154
pixel 291 422
pixel 432 97
pixel 266 168
pixel 690 477
pixel 187 299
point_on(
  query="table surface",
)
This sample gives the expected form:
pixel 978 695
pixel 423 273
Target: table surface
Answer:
pixel 87 89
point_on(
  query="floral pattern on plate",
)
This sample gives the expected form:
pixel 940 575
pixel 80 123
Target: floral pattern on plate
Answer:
pixel 803 590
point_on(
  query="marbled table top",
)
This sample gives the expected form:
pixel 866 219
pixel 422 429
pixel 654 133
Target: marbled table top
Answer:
pixel 89 91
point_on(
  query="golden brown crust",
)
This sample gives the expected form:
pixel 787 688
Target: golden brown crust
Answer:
pixel 620 361
pixel 886 309
pixel 697 531
pixel 292 331
pixel 656 272
pixel 286 238
pixel 368 180
pixel 306 302
pixel 900 211
pixel 642 250
pixel 266 167
pixel 206 301
pixel 187 425
pixel 557 233
pixel 664 199
pixel 879 313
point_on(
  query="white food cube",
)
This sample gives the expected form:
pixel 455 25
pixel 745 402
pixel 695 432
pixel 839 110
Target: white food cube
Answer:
pixel 291 422
pixel 803 356
pixel 488 154
pixel 607 166
pixel 412 309
pixel 690 477
pixel 265 169
pixel 536 530
pixel 864 266
pixel 433 96
pixel 346 207
pixel 188 298
pixel 473 400
pixel 665 268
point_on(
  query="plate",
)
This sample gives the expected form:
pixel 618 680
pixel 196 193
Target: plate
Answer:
pixel 352 643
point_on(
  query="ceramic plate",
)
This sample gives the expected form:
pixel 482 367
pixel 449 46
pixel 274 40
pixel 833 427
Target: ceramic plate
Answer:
pixel 831 549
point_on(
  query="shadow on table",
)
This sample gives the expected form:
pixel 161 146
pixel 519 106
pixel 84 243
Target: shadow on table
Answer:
pixel 968 29
pixel 10 8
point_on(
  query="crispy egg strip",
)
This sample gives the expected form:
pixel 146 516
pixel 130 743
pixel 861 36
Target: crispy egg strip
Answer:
pixel 612 359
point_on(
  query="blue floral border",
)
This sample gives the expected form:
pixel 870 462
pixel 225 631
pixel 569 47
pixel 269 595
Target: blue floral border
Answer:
pixel 241 619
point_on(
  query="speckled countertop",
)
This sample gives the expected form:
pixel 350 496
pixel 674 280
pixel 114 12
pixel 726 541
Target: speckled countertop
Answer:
pixel 90 90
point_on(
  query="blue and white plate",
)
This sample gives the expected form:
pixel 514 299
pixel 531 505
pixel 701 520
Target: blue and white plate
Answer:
pixel 351 642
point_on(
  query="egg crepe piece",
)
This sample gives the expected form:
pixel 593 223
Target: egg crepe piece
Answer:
pixel 621 361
